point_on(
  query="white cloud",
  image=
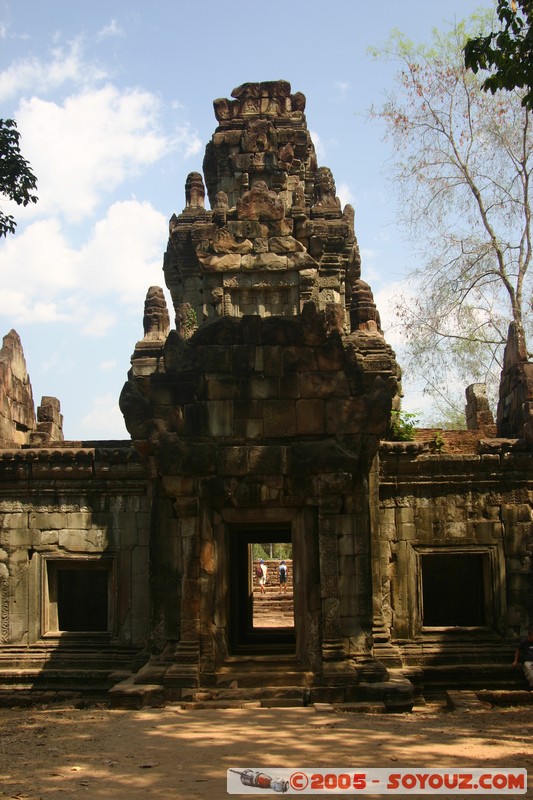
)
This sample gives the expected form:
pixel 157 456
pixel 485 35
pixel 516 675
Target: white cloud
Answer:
pixel 109 30
pixel 344 193
pixel 44 279
pixel 37 261
pixel 104 418
pixel 99 322
pixel 342 87
pixel 39 76
pixel 319 147
pixel 385 300
pixel 89 145
pixel 124 254
pixel 107 366
pixel 187 141
pixel 56 363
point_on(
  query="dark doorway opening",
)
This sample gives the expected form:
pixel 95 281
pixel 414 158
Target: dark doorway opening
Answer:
pixel 249 627
pixel 453 589
pixel 78 597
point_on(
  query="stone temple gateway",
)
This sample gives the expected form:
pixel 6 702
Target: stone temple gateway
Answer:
pixel 262 416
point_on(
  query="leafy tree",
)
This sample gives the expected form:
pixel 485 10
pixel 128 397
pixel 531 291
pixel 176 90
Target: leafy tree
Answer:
pixel 402 426
pixel 17 181
pixel 462 168
pixel 277 550
pixel 507 52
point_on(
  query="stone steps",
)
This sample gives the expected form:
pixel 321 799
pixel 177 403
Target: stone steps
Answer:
pixel 436 680
pixel 24 687
pixel 257 671
pixel 42 671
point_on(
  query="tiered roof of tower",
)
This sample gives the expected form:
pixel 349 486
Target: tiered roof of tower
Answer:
pixel 276 235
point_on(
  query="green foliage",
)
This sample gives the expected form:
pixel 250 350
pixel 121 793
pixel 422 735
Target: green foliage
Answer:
pixel 439 442
pixel 17 181
pixel 402 426
pixel 449 419
pixel 507 52
pixel 259 551
pixel 276 550
pixel 191 322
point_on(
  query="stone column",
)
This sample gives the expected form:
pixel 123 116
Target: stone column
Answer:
pixel 185 670
pixel 383 649
pixel 337 670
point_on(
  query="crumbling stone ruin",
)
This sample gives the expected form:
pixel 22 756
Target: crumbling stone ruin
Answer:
pixel 262 416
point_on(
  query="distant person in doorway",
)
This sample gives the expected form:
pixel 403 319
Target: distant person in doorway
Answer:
pixel 282 569
pixel 524 656
pixel 262 574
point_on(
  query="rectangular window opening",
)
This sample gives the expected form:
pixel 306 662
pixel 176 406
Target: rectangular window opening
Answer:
pixel 78 597
pixel 454 589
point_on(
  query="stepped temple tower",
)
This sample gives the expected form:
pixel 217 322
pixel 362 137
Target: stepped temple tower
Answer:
pixel 259 418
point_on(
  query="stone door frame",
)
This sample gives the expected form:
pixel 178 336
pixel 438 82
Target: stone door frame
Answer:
pixel 302 530
pixel 242 633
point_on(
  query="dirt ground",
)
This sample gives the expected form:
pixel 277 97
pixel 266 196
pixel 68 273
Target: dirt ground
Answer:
pixel 62 752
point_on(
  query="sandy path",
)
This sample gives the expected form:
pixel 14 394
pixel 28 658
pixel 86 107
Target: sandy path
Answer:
pixel 168 753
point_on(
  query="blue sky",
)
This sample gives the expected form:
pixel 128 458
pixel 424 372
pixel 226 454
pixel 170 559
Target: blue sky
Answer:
pixel 114 104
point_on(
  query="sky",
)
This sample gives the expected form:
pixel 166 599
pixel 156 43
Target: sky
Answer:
pixel 113 101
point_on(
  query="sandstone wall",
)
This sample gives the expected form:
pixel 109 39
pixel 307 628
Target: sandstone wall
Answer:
pixel 450 503
pixel 77 506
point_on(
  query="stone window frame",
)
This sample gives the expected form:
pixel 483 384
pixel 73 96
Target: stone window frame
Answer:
pixel 49 565
pixel 494 579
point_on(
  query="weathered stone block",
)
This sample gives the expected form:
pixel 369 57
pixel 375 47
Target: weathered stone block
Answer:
pixel 248 428
pixel 267 460
pixel 81 520
pixel 243 358
pixel 245 229
pixel 195 419
pixel 408 532
pixel 223 388
pixel 488 531
pixel 331 504
pixel 321 456
pixel 231 460
pixel 345 415
pixel 207 557
pixel 260 245
pixel 289 387
pixel 273 360
pixel 330 356
pixel 224 263
pixel 219 417
pixel 299 359
pixel 47 521
pixel 80 541
pixel 186 506
pixel 319 384
pixel 14 521
pixel 268 261
pixel 279 418
pixel 310 417
pixel 284 244
pixel 261 388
